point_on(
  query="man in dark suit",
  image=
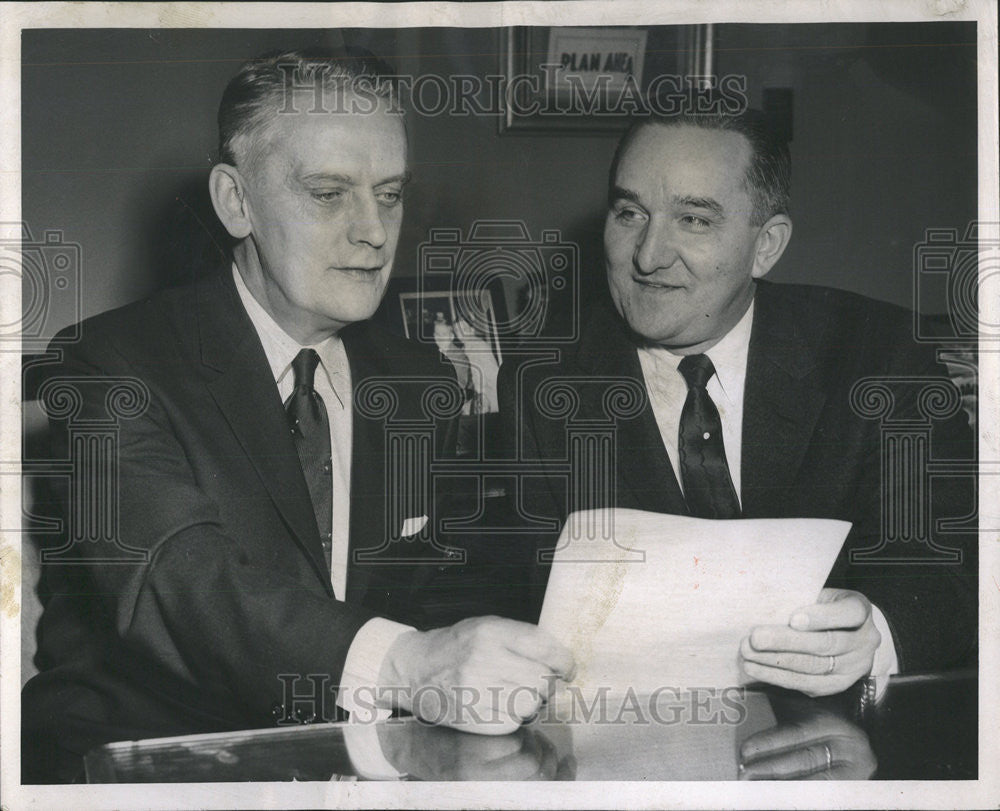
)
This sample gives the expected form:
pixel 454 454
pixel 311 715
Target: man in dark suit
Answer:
pixel 262 559
pixel 746 405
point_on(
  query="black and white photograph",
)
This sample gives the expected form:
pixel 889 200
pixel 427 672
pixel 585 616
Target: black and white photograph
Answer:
pixel 499 405
pixel 463 327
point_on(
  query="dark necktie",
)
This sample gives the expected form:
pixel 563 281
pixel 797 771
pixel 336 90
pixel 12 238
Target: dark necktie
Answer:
pixel 311 431
pixel 708 488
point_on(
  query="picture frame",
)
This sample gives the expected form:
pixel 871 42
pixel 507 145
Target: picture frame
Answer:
pixel 463 327
pixel 590 80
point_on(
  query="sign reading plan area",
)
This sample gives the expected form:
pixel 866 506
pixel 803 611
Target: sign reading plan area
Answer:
pixel 595 57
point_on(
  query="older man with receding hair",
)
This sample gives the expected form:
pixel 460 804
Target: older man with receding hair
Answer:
pixel 252 481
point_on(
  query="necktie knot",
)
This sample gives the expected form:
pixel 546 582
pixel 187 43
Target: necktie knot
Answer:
pixel 304 368
pixel 697 370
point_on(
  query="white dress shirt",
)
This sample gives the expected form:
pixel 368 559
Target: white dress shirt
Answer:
pixel 667 390
pixel 373 640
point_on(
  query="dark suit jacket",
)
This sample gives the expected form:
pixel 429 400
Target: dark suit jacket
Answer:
pixel 806 452
pixel 235 592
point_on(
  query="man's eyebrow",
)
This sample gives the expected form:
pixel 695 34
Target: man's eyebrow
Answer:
pixel 700 202
pixel 619 193
pixel 402 179
pixel 334 177
pixel 327 177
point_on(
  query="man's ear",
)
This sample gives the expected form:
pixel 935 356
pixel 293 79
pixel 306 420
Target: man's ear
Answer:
pixel 228 192
pixel 771 243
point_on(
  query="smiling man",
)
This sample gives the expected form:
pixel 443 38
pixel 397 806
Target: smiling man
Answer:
pixel 685 243
pixel 748 403
pixel 253 477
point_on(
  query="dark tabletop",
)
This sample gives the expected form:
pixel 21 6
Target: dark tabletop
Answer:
pixel 923 728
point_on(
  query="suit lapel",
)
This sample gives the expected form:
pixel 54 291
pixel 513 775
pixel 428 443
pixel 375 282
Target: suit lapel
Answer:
pixel 368 483
pixel 382 582
pixel 245 393
pixel 782 401
pixel 645 478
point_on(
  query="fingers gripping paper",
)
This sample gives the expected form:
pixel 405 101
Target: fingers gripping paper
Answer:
pixel 646 600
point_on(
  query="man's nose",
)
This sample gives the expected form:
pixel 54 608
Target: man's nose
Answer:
pixel 655 248
pixel 366 227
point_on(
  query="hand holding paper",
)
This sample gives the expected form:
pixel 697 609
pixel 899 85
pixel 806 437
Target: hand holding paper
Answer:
pixel 823 650
pixel 485 674
pixel 650 600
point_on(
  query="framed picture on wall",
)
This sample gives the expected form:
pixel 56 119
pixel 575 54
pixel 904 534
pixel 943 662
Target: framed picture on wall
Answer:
pixel 566 79
pixel 463 326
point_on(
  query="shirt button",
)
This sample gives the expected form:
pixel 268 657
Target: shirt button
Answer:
pixel 706 435
pixel 328 466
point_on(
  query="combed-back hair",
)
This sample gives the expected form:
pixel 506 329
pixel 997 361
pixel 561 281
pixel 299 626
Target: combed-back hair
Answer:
pixel 769 174
pixel 264 87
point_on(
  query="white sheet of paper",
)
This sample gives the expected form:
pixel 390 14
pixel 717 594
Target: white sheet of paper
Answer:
pixel 646 600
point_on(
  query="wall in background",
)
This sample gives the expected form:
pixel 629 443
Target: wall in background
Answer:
pixel 118 134
pixel 884 143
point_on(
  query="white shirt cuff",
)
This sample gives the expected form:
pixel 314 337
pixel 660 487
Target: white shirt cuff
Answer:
pixel 365 752
pixel 358 692
pixel 886 662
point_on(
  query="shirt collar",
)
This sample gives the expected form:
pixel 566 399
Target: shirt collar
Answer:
pixel 280 347
pixel 728 356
